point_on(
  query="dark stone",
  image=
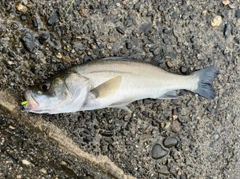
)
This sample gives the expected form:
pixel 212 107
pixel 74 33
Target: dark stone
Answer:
pixel 148 30
pixel 28 42
pixel 158 152
pixel 106 133
pixel 33 56
pixel 108 139
pixel 162 169
pixel 237 15
pixel 128 45
pixel 87 138
pixel 166 31
pixel 23 17
pixel 86 131
pixel 11 54
pixel 174 15
pixel 237 40
pixel 137 6
pixel 128 22
pixel 14 26
pixel 121 31
pixel 183 70
pixel 4 50
pixel 209 107
pixel 170 142
pixel 89 25
pixel 227 30
pixel 86 58
pixel 192 39
pixel 35 23
pixel 43 37
pixel 191 17
pixel 92 7
pixel 23 51
pixel 154 123
pixel 53 18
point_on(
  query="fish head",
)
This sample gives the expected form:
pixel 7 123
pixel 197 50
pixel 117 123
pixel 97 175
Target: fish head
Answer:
pixel 63 93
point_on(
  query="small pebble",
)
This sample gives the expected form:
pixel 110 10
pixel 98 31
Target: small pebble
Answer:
pixel 31 5
pixel 121 31
pixel 169 64
pixel 237 15
pixel 170 142
pixel 106 133
pixel 158 152
pixel 21 7
pixel 59 55
pixel 86 58
pixel 176 126
pixel 232 6
pixel 83 12
pixel 216 21
pixel 43 170
pixel 4 50
pixel 166 31
pixel 163 170
pixel 192 39
pixel 23 17
pixel 87 138
pixel 33 56
pixel 11 54
pixel 237 40
pixel 183 70
pixel 174 15
pixel 35 23
pixel 123 3
pixel 26 162
pixel 225 2
pixel 156 51
pixel 137 6
pixel 128 45
pixel 174 117
pixel 28 42
pixel 43 37
pixel 53 18
pixel 14 26
pixel 128 22
pixel 11 127
pixel 227 30
pixel 89 25
pixel 66 59
pixel 204 13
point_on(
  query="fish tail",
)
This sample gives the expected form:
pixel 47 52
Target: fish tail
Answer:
pixel 206 77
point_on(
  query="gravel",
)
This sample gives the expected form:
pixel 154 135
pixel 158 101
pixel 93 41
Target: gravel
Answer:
pixel 178 36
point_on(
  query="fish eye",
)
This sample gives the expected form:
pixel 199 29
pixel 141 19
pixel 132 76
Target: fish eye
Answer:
pixel 44 87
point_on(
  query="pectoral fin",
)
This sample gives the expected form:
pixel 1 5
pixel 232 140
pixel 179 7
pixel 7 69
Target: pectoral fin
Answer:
pixel 107 88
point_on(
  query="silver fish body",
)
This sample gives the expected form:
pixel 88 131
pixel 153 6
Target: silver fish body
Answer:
pixel 113 83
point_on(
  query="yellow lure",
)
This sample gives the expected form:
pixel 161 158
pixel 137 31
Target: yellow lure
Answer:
pixel 24 102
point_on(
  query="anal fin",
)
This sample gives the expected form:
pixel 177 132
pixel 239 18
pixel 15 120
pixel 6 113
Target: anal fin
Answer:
pixel 122 107
pixel 169 95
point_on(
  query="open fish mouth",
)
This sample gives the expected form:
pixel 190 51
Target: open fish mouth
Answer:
pixel 30 103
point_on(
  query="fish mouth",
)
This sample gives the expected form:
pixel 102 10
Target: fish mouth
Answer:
pixel 31 102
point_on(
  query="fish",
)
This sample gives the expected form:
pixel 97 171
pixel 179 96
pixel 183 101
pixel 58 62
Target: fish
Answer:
pixel 113 83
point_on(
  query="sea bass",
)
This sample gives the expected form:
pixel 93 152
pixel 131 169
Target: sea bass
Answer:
pixel 113 83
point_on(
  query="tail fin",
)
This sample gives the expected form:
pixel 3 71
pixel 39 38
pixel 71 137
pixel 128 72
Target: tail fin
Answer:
pixel 206 76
